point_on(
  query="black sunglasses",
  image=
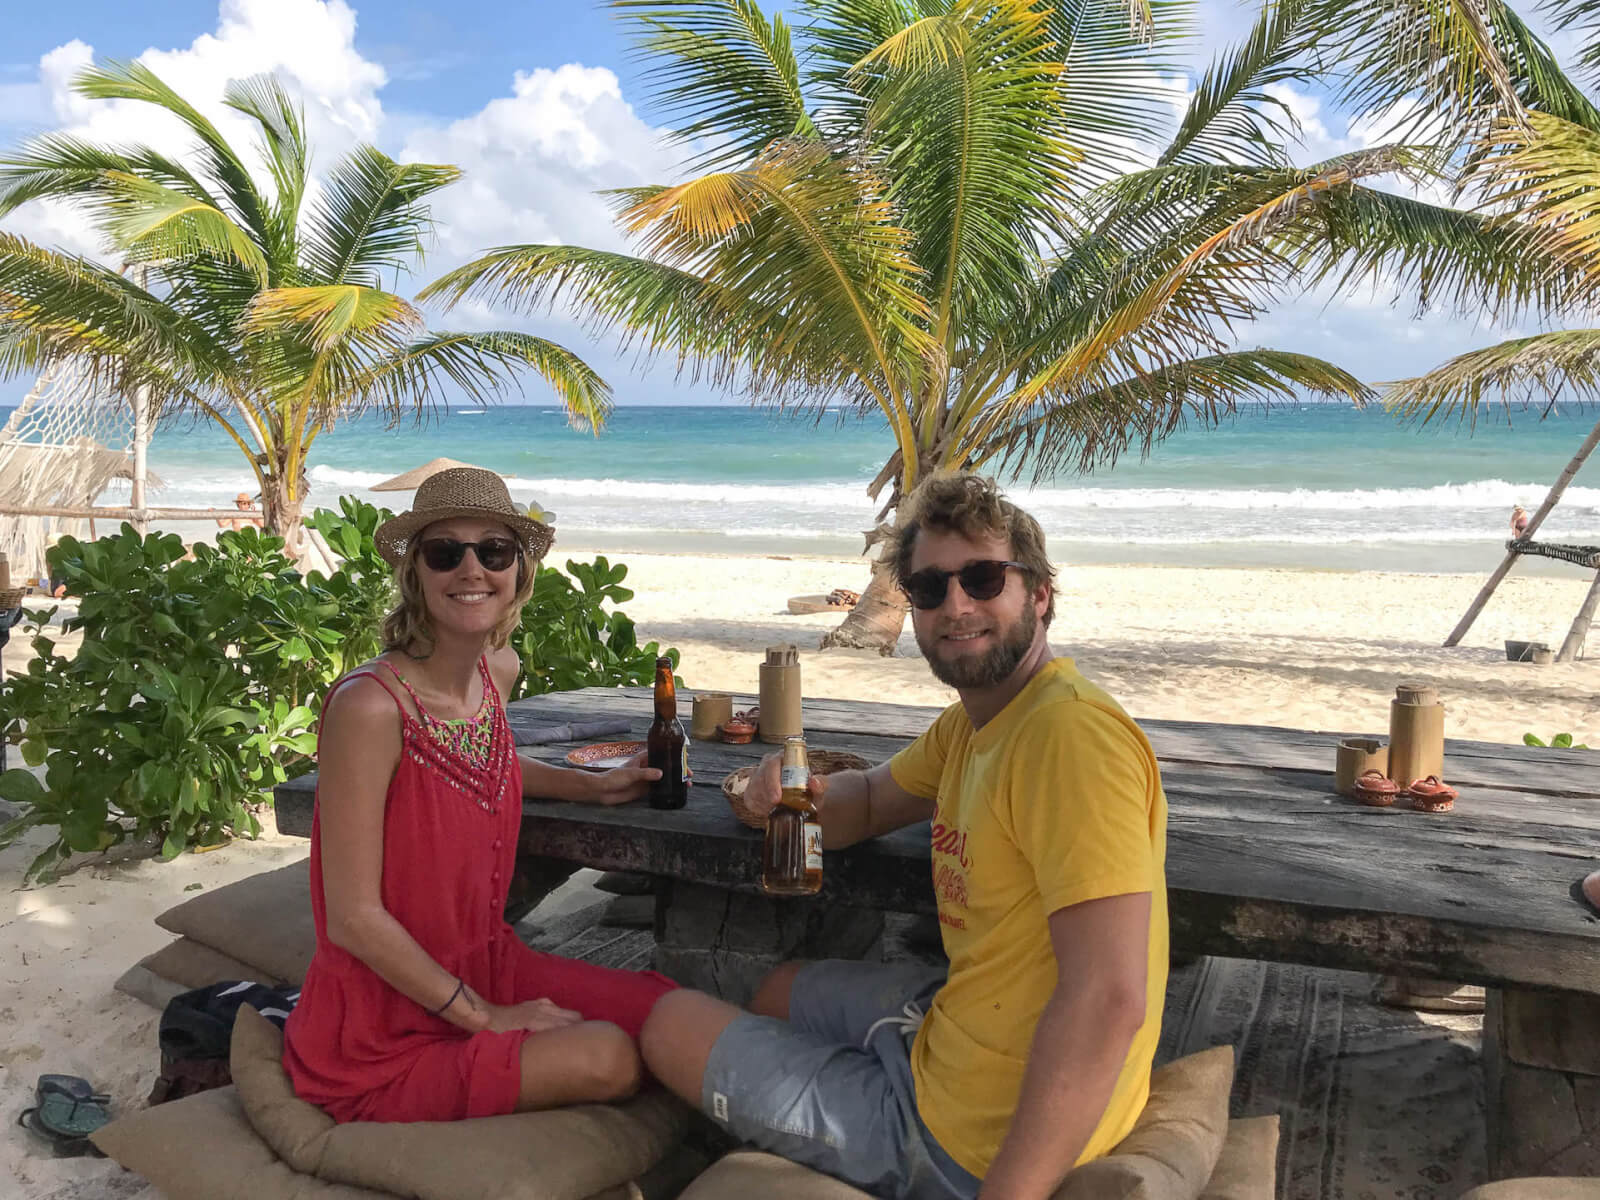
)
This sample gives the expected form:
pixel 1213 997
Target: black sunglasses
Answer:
pixel 982 580
pixel 445 554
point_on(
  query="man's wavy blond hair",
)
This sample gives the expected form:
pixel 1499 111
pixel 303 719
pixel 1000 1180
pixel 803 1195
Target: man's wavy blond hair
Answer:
pixel 407 628
pixel 972 506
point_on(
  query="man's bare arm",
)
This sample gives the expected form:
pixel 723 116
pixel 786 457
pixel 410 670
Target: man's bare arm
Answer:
pixel 1079 1045
pixel 854 805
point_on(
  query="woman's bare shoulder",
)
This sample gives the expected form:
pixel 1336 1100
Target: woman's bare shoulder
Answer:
pixel 361 701
pixel 504 665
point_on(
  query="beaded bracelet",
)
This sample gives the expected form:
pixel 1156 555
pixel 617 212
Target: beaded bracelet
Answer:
pixel 459 986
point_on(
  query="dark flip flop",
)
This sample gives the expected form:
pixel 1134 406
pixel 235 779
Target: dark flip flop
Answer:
pixel 67 1112
pixel 1584 897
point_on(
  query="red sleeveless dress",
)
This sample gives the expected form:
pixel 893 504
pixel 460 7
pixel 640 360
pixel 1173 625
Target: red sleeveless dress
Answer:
pixel 361 1050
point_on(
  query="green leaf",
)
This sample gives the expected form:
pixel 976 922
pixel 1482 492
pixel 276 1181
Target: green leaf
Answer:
pixel 1562 741
pixel 21 787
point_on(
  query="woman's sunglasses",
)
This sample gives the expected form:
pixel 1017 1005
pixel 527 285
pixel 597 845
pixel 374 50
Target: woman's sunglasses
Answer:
pixel 445 554
pixel 982 580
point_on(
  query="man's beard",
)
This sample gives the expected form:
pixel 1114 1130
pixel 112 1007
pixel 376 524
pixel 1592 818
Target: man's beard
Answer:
pixel 993 666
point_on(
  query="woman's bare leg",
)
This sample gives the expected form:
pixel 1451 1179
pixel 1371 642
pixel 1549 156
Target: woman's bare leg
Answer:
pixel 589 1063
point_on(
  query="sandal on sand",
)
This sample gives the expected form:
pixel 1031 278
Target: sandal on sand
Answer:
pixel 1375 790
pixel 1431 795
pixel 67 1111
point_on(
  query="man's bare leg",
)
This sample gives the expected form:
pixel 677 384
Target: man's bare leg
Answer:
pixel 677 1038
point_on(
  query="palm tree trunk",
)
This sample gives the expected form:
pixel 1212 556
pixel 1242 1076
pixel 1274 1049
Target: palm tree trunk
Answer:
pixel 281 512
pixel 876 621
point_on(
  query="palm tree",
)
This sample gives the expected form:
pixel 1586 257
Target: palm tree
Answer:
pixel 241 300
pixel 975 217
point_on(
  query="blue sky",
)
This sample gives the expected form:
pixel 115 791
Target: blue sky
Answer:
pixel 540 105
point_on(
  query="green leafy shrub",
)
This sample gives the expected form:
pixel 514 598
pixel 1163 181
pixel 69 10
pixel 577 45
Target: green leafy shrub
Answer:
pixel 1559 741
pixel 198 682
pixel 568 638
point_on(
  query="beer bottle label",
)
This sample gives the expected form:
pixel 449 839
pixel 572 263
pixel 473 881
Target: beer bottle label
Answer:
pixel 813 839
pixel 686 758
pixel 794 776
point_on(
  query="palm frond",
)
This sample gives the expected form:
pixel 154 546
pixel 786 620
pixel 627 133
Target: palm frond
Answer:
pixel 371 216
pixel 726 72
pixel 58 166
pixel 483 367
pixel 331 315
pixel 1532 369
pixel 961 119
pixel 802 234
pixel 1546 176
pixel 1081 429
pixel 1232 117
pixel 150 223
pixel 113 80
pixel 288 155
pixel 62 306
pixel 1580 17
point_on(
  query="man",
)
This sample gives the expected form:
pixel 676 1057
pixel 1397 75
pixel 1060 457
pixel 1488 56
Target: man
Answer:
pixel 1049 841
pixel 244 504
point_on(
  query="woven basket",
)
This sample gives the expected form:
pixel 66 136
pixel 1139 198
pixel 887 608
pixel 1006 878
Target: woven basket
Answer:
pixel 12 597
pixel 823 762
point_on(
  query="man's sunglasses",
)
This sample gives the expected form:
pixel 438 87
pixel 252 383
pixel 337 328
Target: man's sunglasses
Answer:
pixel 982 580
pixel 445 554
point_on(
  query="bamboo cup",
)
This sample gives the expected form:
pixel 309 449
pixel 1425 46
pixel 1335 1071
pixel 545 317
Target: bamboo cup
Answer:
pixel 710 710
pixel 1354 756
pixel 5 572
pixel 780 694
pixel 1416 733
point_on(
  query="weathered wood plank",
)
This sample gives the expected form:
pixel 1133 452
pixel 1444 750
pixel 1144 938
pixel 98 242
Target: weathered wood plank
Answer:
pixel 1469 763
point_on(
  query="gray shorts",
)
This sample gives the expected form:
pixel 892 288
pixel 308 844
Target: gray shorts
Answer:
pixel 831 1087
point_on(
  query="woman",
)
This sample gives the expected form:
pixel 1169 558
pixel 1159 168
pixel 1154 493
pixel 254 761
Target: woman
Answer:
pixel 421 1004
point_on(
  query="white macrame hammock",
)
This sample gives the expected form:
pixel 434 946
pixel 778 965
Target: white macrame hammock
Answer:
pixel 62 448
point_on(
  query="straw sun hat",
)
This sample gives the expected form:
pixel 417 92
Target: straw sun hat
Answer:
pixel 462 492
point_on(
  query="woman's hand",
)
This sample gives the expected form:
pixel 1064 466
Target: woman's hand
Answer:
pixel 536 1016
pixel 623 784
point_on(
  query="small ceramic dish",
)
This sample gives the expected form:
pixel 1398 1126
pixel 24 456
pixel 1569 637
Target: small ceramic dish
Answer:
pixel 603 756
pixel 1374 790
pixel 737 732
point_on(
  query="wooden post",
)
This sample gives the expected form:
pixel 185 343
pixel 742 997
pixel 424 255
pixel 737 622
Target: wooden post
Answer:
pixel 1580 623
pixel 141 448
pixel 1482 598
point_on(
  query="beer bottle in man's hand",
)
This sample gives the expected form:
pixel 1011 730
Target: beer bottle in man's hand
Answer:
pixel 666 747
pixel 791 856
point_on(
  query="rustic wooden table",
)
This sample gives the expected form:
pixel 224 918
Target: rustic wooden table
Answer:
pixel 1264 860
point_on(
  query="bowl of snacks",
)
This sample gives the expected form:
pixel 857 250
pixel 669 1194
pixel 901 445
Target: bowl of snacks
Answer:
pixel 822 762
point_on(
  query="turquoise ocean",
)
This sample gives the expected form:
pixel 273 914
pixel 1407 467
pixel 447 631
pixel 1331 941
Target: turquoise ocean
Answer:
pixel 1315 485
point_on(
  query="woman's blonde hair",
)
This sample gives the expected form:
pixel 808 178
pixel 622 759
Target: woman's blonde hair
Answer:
pixel 407 627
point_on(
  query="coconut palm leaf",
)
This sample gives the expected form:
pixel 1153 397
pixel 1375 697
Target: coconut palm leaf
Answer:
pixel 956 104
pixel 1232 117
pixel 1535 368
pixel 1581 18
pixel 152 223
pixel 329 315
pixel 483 367
pixel 60 166
pixel 288 155
pixel 113 80
pixel 725 70
pixel 371 216
pixel 1547 174
pixel 1091 428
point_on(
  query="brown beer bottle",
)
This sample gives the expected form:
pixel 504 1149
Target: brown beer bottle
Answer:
pixel 666 747
pixel 791 856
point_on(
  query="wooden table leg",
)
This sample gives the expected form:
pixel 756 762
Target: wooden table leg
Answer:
pixel 725 942
pixel 1541 1068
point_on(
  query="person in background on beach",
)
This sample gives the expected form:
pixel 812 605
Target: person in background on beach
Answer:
pixel 421 1003
pixel 244 503
pixel 1033 1052
pixel 1519 522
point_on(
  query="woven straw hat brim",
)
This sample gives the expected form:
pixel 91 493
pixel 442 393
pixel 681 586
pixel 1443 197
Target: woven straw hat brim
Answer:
pixel 462 492
pixel 394 537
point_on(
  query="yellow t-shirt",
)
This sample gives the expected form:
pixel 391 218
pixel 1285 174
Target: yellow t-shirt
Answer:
pixel 1054 802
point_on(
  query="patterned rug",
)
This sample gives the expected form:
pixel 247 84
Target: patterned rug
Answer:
pixel 1374 1102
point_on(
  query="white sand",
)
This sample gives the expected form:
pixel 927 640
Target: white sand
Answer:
pixel 1309 649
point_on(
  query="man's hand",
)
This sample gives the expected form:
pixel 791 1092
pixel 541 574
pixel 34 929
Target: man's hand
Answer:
pixel 761 795
pixel 620 785
pixel 536 1016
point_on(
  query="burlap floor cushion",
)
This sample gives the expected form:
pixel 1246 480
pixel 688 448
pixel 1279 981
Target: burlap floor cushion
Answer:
pixel 1551 1188
pixel 181 964
pixel 1247 1168
pixel 1171 1153
pixel 564 1154
pixel 263 921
